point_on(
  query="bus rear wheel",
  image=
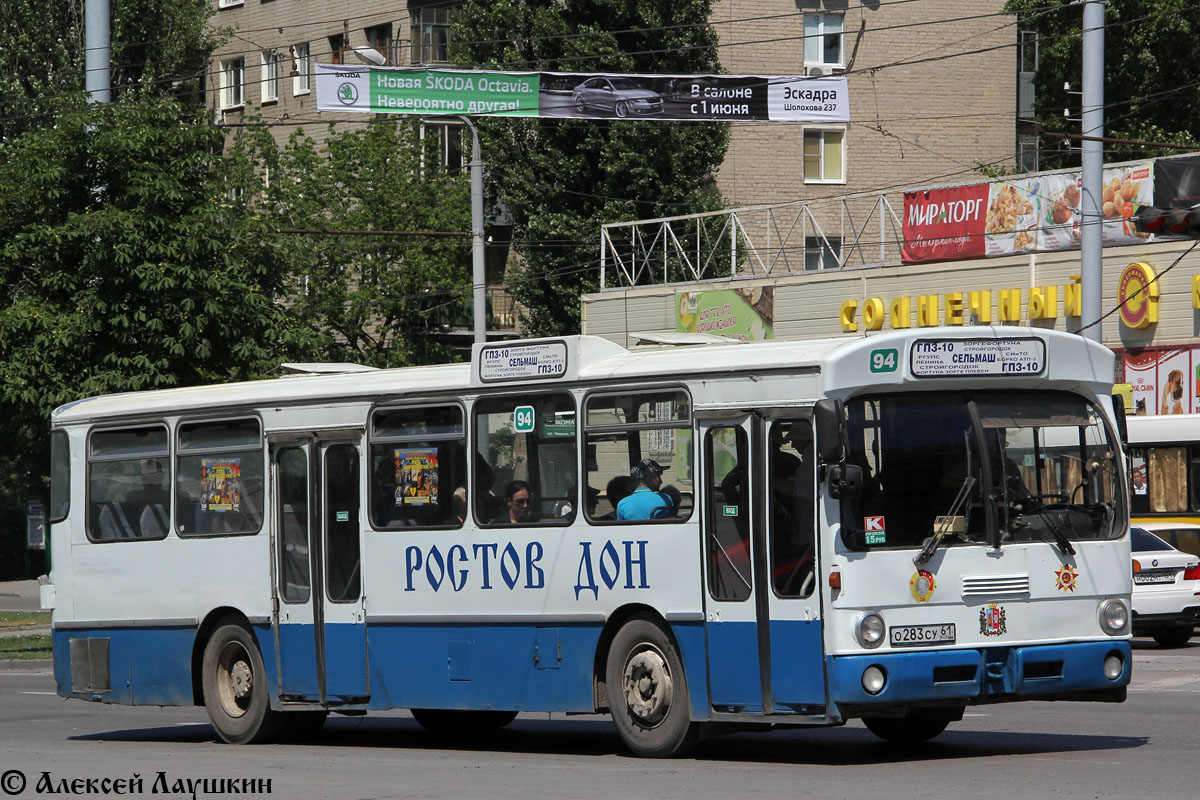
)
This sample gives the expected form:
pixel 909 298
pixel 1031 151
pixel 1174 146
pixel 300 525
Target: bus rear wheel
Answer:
pixel 445 721
pixel 647 692
pixel 912 728
pixel 235 687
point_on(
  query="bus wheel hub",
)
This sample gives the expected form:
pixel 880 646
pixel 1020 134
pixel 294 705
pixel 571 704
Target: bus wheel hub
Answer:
pixel 241 678
pixel 648 687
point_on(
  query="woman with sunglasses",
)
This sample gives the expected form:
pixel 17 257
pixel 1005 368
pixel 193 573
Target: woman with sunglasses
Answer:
pixel 518 498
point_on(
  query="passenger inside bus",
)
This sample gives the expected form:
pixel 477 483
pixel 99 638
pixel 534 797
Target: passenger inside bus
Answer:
pixel 792 509
pixel 154 500
pixel 518 502
pixel 645 499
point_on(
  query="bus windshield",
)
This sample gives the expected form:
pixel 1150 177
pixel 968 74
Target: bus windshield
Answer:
pixel 980 467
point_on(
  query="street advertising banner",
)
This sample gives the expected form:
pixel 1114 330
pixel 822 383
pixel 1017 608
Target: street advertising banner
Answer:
pixel 1165 380
pixel 743 314
pixel 1039 214
pixel 1176 184
pixel 563 95
pixel 1126 188
pixel 944 224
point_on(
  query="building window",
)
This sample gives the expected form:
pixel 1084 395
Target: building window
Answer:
pixel 821 252
pixel 379 38
pixel 1027 152
pixel 823 39
pixel 300 69
pixel 442 143
pixel 229 3
pixel 430 32
pixel 233 81
pixel 337 45
pixel 270 76
pixel 824 156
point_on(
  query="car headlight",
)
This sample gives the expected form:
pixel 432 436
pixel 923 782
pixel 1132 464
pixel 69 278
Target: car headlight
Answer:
pixel 869 629
pixel 1114 616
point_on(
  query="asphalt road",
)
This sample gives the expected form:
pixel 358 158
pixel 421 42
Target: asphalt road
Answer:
pixel 1143 748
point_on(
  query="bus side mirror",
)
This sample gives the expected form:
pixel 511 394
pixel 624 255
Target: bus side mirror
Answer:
pixel 845 481
pixel 1118 401
pixel 831 433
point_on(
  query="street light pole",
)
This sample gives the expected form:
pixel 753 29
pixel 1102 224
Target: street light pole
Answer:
pixel 1092 205
pixel 478 271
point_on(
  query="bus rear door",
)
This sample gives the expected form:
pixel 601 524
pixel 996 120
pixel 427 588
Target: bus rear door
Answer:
pixel 320 630
pixel 762 614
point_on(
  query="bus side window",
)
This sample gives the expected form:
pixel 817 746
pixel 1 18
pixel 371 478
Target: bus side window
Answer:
pixel 525 460
pixel 219 478
pixel 418 462
pixel 128 480
pixel 625 428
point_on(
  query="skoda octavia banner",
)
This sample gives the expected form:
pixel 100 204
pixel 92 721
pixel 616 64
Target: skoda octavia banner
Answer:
pixel 396 90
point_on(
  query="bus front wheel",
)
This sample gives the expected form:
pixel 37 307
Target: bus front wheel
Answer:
pixel 235 687
pixel 647 692
pixel 912 728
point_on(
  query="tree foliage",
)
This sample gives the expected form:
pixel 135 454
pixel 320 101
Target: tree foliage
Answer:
pixel 126 267
pixel 378 300
pixel 560 179
pixel 1151 73
pixel 158 49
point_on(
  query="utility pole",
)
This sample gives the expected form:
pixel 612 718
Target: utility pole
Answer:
pixel 1092 201
pixel 478 270
pixel 97 55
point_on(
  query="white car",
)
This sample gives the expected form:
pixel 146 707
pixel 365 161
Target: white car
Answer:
pixel 1166 583
pixel 1183 536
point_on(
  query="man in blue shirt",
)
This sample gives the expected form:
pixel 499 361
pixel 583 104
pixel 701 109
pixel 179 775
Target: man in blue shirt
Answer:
pixel 647 476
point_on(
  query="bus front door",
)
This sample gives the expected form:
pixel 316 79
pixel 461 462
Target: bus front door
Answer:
pixel 762 610
pixel 320 630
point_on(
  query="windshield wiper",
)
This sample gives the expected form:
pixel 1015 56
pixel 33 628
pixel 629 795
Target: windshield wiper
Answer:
pixel 934 541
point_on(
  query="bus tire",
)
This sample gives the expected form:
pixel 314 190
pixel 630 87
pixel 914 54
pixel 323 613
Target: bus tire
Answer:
pixel 647 691
pixel 447 721
pixel 235 687
pixel 909 729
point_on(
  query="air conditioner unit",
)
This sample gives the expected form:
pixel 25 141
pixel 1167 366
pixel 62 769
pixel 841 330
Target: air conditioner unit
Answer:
pixel 819 71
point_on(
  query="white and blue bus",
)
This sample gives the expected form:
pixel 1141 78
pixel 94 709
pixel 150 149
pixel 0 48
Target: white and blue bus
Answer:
pixel 889 528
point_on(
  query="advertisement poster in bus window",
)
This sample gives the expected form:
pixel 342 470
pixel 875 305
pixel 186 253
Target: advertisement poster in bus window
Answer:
pixel 416 476
pixel 220 484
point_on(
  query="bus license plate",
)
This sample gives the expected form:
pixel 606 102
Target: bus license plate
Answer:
pixel 922 635
pixel 1155 577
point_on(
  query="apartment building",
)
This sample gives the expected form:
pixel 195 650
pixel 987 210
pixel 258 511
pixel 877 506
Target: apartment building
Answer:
pixel 933 91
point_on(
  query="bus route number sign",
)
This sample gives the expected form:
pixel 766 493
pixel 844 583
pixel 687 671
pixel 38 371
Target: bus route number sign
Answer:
pixel 962 358
pixel 884 360
pixel 523 419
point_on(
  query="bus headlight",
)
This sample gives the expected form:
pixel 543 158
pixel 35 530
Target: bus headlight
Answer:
pixel 1114 666
pixel 873 679
pixel 869 629
pixel 1114 616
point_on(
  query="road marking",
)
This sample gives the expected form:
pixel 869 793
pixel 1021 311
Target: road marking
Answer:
pixel 52 694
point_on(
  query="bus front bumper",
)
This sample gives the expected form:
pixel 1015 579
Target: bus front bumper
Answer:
pixel 1073 671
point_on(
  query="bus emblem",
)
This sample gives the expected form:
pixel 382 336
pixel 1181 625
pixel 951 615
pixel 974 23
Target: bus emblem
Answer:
pixel 992 621
pixel 1067 578
pixel 922 585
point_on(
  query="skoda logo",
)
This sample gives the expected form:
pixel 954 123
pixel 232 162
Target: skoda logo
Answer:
pixel 348 94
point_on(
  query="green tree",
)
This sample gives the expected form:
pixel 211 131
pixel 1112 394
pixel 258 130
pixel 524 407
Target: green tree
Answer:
pixel 378 300
pixel 560 179
pixel 1151 73
pixel 158 49
pixel 126 266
